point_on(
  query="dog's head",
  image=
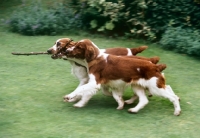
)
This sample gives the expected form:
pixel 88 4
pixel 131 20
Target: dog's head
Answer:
pixel 84 49
pixel 60 46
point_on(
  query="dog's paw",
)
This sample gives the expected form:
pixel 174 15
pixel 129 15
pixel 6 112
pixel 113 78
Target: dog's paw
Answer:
pixel 70 98
pixel 120 107
pixel 177 112
pixel 78 105
pixel 132 110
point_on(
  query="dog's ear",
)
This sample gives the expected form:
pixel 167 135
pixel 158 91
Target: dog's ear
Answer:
pixel 90 53
pixel 77 50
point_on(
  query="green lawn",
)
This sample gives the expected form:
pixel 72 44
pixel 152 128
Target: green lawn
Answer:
pixel 32 88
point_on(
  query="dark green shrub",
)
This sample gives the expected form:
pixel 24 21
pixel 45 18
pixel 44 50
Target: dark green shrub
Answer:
pixel 181 40
pixel 163 13
pixel 120 17
pixel 137 18
pixel 35 20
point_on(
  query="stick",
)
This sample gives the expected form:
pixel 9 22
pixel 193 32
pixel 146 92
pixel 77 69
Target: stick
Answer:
pixel 30 53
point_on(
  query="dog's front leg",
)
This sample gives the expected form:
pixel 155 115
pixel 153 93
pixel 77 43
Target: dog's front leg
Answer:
pixel 78 97
pixel 80 72
pixel 84 100
pixel 85 91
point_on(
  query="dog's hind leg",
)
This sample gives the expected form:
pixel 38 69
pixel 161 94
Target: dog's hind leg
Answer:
pixel 117 95
pixel 140 92
pixel 170 90
pixel 168 93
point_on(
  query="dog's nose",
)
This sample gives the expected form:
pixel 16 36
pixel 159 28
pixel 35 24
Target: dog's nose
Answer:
pixel 49 51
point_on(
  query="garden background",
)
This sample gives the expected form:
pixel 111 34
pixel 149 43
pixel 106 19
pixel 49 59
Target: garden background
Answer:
pixel 32 87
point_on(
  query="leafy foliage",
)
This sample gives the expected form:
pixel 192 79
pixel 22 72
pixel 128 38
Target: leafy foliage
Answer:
pixel 181 40
pixel 138 18
pixel 35 20
pixel 163 13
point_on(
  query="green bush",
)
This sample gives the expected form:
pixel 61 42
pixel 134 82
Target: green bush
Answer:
pixel 35 20
pixel 137 18
pixel 112 17
pixel 181 40
pixel 163 13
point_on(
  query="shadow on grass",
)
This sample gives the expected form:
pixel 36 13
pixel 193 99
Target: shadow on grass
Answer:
pixel 100 103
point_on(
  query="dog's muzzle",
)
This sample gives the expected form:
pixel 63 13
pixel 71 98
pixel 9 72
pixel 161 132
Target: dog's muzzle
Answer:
pixel 54 57
pixel 49 51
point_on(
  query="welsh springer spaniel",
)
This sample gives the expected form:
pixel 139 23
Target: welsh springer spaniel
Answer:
pixel 117 72
pixel 79 69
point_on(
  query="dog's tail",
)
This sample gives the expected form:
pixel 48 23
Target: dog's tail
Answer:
pixel 155 60
pixel 161 67
pixel 137 50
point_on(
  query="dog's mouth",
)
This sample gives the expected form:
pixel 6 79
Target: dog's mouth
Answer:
pixel 56 56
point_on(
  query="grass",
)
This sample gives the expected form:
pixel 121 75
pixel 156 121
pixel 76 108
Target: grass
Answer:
pixel 32 88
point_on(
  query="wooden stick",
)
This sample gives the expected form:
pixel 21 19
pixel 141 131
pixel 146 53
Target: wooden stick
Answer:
pixel 30 53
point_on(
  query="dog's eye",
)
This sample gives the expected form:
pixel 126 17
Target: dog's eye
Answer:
pixel 58 44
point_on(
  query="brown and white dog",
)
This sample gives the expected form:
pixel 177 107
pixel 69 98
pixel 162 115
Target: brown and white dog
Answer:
pixel 79 69
pixel 117 72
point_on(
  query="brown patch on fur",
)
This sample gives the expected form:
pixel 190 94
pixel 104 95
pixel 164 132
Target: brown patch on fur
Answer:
pixel 153 60
pixel 123 51
pixel 117 51
pixel 161 82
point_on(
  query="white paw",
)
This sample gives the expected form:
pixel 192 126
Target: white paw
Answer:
pixel 78 105
pixel 177 112
pixel 120 107
pixel 65 99
pixel 70 98
pixel 132 110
